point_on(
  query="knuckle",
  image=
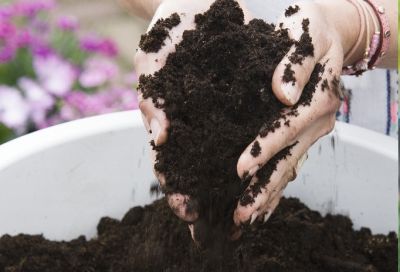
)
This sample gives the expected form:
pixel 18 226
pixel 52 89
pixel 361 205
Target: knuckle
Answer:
pixel 292 134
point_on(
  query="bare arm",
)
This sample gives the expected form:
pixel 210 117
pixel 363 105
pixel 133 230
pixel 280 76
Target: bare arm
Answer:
pixel 142 8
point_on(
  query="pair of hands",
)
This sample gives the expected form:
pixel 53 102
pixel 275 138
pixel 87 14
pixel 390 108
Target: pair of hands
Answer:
pixel 308 126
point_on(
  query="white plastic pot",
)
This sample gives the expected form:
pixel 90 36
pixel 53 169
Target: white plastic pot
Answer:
pixel 60 181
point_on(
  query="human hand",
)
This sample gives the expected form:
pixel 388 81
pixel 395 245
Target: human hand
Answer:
pixel 331 40
pixel 148 63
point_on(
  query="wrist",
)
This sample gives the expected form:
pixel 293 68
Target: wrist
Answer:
pixel 345 20
pixel 142 8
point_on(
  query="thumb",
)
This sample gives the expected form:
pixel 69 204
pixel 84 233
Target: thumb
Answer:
pixel 290 77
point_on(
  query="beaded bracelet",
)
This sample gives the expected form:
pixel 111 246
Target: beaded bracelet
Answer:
pixel 377 46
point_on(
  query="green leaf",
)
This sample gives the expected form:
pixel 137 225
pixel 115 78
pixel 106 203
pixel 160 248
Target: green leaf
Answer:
pixel 6 134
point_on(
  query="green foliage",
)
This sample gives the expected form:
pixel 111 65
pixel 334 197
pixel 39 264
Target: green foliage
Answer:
pixel 21 66
pixel 67 45
pixel 5 134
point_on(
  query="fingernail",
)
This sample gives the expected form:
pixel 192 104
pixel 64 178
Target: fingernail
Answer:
pixel 253 217
pixel 155 130
pixel 292 93
pixel 267 216
pixel 254 170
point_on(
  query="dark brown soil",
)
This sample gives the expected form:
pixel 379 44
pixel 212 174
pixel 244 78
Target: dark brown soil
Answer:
pixel 216 91
pixel 288 75
pixel 148 239
pixel 154 40
pixel 304 46
pixel 291 10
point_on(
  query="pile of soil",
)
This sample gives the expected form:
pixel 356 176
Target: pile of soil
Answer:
pixel 153 239
pixel 216 92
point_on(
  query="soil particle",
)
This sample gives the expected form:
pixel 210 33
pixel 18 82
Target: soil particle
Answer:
pixel 305 25
pixel 154 39
pixel 217 95
pixel 294 239
pixel 255 149
pixel 291 10
pixel 304 46
pixel 336 87
pixel 288 74
pixel 263 177
pixel 325 85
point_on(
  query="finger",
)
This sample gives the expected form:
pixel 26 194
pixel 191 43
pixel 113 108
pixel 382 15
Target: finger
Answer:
pixel 183 207
pixel 155 120
pixel 290 78
pixel 286 170
pixel 270 207
pixel 294 71
pixel 324 102
pixel 273 142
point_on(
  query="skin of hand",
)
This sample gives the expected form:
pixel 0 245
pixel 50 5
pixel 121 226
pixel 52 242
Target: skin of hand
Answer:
pixel 333 35
pixel 154 119
pixel 334 28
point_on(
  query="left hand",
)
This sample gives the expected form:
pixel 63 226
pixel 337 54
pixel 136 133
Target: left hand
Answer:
pixel 312 122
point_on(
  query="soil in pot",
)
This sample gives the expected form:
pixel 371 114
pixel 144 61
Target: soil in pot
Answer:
pixel 153 239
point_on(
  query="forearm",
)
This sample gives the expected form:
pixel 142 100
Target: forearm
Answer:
pixel 142 8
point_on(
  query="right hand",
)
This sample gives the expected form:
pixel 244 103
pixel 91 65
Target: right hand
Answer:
pixel 154 118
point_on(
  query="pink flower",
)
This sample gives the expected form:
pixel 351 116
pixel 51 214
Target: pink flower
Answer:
pixel 14 111
pixel 56 75
pixel 7 52
pixel 23 38
pixel 67 23
pixel 6 11
pixel 8 41
pixel 39 101
pixel 94 44
pixel 78 104
pixel 97 71
pixel 29 8
pixel 108 48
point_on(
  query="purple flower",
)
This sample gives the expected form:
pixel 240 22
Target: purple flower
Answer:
pixel 94 44
pixel 97 71
pixel 29 8
pixel 7 52
pixel 23 38
pixel 56 75
pixel 40 48
pixel 78 104
pixel 90 43
pixel 67 23
pixel 7 29
pixel 6 11
pixel 108 48
pixel 8 45
pixel 14 111
pixel 39 101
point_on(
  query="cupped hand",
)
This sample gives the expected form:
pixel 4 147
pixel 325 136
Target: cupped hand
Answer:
pixel 154 118
pixel 311 122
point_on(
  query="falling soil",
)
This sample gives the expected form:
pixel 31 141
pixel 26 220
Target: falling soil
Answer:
pixel 291 10
pixel 216 92
pixel 153 239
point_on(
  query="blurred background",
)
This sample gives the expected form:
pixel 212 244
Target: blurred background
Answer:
pixel 62 60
